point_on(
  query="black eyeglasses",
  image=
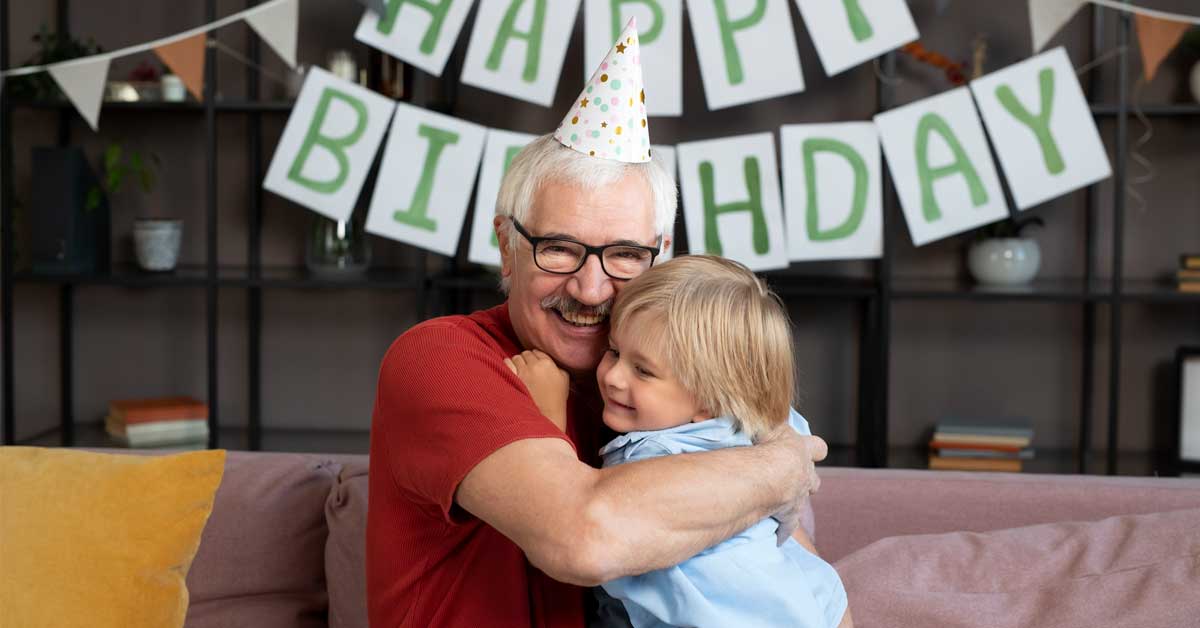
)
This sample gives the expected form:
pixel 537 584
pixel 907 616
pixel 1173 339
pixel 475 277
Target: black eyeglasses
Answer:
pixel 564 257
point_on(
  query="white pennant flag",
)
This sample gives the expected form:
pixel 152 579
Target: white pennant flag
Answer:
pixel 1046 17
pixel 277 26
pixel 83 83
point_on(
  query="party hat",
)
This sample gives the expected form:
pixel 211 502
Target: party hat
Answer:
pixel 608 120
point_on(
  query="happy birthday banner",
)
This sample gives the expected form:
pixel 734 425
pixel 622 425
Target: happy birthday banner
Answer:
pixel 1034 113
pixel 832 194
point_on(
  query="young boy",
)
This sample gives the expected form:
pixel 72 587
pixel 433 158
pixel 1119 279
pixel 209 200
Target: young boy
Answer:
pixel 700 358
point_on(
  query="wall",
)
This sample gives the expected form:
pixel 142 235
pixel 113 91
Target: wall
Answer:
pixel 321 349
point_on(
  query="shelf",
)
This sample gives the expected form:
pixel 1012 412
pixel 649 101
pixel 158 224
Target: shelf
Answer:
pixel 1051 461
pixel 1142 291
pixel 1152 111
pixel 790 285
pixel 1063 290
pixel 229 106
pixel 190 275
pixel 93 436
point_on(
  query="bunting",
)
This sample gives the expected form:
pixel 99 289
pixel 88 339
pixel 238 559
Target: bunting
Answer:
pixel 185 57
pixel 83 83
pixel 1157 37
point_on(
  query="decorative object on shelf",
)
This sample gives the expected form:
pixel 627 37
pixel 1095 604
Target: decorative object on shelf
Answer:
pixel 341 64
pixel 1187 278
pixel 337 249
pixel 295 81
pixel 1191 40
pixel 981 445
pixel 158 422
pixel 1002 256
pixel 52 48
pixel 1187 443
pixel 173 89
pixel 156 242
pixel 142 85
pixel 69 216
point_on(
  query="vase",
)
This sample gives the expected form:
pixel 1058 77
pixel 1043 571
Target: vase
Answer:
pixel 1195 81
pixel 156 242
pixel 337 249
pixel 1004 261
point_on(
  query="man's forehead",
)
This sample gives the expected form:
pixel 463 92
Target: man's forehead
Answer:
pixel 615 214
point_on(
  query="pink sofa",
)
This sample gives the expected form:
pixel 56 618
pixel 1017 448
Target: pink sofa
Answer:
pixel 285 543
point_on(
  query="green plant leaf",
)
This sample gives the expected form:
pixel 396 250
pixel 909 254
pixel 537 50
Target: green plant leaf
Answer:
pixel 93 199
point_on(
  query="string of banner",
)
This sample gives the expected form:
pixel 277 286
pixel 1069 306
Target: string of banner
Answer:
pixel 1034 112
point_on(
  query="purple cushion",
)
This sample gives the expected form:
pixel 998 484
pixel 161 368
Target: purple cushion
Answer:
pixel 1131 570
pixel 262 554
pixel 346 549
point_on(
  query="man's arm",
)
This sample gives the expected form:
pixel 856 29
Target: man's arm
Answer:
pixel 587 526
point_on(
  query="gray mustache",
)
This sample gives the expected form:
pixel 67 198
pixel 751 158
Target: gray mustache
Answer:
pixel 567 305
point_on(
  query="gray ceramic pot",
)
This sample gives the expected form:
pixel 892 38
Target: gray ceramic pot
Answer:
pixel 156 242
pixel 1004 261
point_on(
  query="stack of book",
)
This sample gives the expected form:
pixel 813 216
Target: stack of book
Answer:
pixel 177 422
pixel 1188 275
pixel 975 445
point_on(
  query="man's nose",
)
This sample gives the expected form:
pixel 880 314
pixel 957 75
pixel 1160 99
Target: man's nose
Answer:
pixel 590 285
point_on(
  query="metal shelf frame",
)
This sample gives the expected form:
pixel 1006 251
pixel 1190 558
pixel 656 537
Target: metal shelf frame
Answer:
pixel 874 296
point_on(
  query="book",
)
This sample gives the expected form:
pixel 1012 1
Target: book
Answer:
pixel 1019 442
pixel 1186 274
pixel 987 427
pixel 941 444
pixel 1023 454
pixel 1189 286
pixel 1189 260
pixel 157 434
pixel 974 464
pixel 131 411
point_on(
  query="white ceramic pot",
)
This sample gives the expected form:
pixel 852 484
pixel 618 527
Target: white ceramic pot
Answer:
pixel 173 89
pixel 1195 81
pixel 1004 261
pixel 156 242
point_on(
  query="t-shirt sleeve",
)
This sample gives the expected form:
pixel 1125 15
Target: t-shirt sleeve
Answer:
pixel 445 401
pixel 799 423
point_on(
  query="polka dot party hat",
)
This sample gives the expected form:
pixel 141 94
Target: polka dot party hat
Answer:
pixel 608 120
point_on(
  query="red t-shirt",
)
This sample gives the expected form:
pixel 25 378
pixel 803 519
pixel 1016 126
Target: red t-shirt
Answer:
pixel 446 401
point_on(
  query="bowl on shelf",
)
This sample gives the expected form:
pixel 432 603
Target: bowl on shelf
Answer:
pixel 156 242
pixel 1004 261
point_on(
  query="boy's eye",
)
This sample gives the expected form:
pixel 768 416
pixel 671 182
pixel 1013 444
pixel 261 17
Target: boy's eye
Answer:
pixel 643 372
pixel 614 352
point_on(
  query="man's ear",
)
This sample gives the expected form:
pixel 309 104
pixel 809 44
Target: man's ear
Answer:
pixel 499 223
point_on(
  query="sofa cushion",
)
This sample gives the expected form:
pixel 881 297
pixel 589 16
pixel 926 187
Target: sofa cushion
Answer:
pixel 261 560
pixel 92 539
pixel 346 549
pixel 856 507
pixel 1126 571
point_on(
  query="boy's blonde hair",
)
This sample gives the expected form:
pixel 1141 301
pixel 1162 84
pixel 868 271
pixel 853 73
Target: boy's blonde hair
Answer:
pixel 725 335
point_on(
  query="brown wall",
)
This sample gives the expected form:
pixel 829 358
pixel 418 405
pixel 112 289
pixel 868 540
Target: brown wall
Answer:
pixel 321 349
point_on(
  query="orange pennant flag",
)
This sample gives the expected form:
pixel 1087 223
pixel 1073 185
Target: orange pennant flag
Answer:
pixel 186 59
pixel 1157 38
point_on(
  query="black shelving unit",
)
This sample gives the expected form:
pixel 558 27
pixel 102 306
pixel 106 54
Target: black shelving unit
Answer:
pixel 874 297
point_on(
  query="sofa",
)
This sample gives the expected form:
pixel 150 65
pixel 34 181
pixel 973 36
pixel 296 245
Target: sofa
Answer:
pixel 284 545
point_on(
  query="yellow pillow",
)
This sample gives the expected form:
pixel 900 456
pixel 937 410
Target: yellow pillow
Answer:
pixel 89 539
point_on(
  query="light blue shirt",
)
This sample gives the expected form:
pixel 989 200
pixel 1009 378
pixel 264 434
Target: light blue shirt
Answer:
pixel 746 581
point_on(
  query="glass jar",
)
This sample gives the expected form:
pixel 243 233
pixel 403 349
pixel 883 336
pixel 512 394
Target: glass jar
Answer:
pixel 337 249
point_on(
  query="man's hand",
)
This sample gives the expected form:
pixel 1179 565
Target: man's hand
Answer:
pixel 548 384
pixel 796 453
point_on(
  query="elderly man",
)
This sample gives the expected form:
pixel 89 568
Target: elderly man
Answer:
pixel 482 511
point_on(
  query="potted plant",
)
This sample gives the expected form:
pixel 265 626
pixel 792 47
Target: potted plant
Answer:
pixel 156 240
pixel 52 48
pixel 1002 256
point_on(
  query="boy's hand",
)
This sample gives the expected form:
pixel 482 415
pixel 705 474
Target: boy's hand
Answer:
pixel 547 384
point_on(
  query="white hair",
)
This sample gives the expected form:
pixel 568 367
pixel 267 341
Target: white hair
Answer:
pixel 545 159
